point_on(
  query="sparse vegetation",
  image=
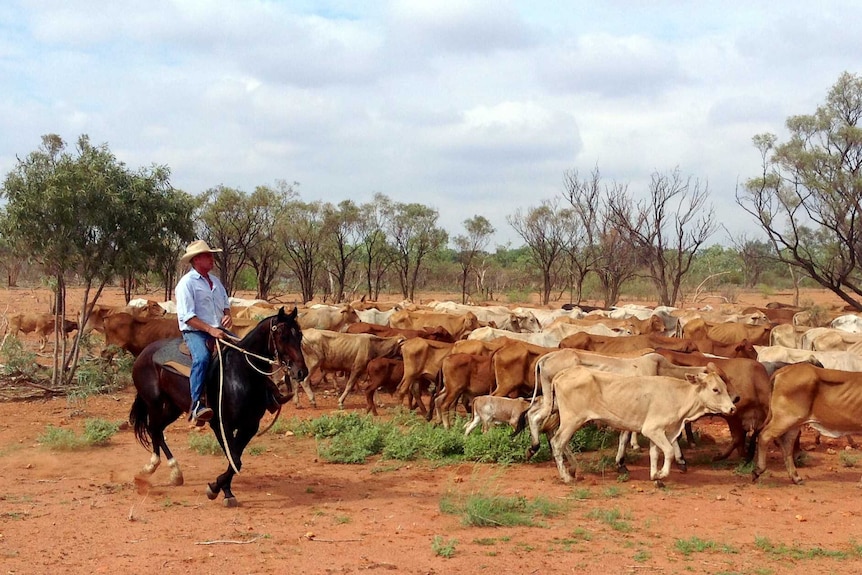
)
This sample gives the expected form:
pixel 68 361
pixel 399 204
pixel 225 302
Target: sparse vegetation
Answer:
pixel 204 444
pixel 697 545
pixel 443 548
pixel 614 518
pixel 482 510
pixel 97 432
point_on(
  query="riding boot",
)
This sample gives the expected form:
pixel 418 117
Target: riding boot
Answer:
pixel 274 398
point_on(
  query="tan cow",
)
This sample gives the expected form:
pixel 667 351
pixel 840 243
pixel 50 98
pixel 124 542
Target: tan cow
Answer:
pixel 459 325
pixel 330 318
pixel 422 360
pixel 501 316
pixel 384 374
pixel 829 339
pixel 40 323
pixel 345 352
pixel 841 360
pixel 133 334
pixel 436 333
pixel 655 406
pixel 827 399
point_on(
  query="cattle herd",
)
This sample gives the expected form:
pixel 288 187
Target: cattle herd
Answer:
pixel 651 371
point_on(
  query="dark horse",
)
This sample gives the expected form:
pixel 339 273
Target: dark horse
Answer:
pixel 236 387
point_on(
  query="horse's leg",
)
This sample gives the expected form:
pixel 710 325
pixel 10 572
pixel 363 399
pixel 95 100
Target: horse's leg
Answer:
pixel 157 432
pixel 223 482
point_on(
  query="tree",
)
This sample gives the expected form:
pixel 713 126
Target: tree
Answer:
pixel 264 250
pixel 300 231
pixel 469 247
pixel 544 230
pixel 414 234
pixel 232 222
pixel 377 254
pixel 342 243
pixel 808 195
pixel 667 229
pixel 85 211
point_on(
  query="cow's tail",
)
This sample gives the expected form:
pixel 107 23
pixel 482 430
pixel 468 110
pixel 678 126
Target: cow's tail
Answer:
pixel 139 418
pixel 521 424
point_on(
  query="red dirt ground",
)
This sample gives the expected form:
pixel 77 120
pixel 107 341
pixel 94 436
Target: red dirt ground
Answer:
pixel 80 512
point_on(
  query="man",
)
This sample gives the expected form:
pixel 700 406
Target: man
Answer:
pixel 203 312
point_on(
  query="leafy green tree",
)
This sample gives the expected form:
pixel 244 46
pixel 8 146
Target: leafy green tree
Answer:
pixel 808 196
pixel 86 211
pixel 413 231
pixel 469 247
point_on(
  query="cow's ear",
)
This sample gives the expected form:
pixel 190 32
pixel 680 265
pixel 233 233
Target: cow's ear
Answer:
pixel 691 378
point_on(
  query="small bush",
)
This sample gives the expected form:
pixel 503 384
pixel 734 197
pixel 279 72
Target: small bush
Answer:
pixel 17 361
pixel 480 510
pixel 204 444
pixel 443 548
pixel 97 433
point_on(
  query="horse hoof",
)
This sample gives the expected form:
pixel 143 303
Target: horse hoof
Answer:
pixel 210 493
pixel 230 502
pixel 177 481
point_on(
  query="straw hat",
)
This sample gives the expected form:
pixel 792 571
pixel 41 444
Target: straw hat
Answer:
pixel 197 248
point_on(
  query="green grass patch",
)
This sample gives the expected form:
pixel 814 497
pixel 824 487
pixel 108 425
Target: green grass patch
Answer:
pixel 797 553
pixel 442 547
pixel 482 510
pixel 204 444
pixel 697 545
pixel 97 433
pixel 613 518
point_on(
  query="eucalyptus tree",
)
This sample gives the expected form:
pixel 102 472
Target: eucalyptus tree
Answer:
pixel 342 244
pixel 412 229
pixel 12 254
pixel 545 230
pixel 668 228
pixel 264 249
pixel 376 254
pixel 808 196
pixel 86 211
pixel 230 222
pixel 300 230
pixel 471 246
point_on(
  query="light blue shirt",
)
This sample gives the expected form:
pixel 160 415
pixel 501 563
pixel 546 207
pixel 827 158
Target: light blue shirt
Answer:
pixel 196 299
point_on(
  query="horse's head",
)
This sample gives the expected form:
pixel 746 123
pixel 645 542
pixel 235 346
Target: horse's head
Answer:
pixel 287 337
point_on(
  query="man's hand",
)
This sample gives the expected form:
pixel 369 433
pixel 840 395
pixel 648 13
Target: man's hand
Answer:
pixel 226 321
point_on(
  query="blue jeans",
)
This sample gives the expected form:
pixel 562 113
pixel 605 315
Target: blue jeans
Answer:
pixel 197 342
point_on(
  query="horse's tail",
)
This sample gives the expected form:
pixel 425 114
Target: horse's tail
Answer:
pixel 139 418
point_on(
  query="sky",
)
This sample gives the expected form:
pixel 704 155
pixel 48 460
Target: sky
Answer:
pixel 469 107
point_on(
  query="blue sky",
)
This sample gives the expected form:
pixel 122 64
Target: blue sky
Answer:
pixel 468 107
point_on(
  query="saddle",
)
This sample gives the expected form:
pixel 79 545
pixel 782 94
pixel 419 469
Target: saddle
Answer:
pixel 175 357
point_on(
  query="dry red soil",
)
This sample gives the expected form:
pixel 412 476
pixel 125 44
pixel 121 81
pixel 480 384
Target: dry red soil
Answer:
pixel 82 512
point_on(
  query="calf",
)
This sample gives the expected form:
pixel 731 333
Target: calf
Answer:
pixel 488 409
pixel 384 374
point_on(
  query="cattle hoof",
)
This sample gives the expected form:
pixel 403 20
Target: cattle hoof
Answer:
pixel 659 483
pixel 683 467
pixel 621 468
pixel 210 493
pixel 231 502
pixel 798 480
pixel 755 475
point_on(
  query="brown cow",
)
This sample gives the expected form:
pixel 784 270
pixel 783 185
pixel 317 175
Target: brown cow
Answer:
pixel 459 325
pixel 514 368
pixel 40 323
pixel 827 399
pixel 750 381
pixel 462 375
pixel 727 333
pixel 347 352
pixel 133 334
pixel 422 360
pixel 626 343
pixel 384 374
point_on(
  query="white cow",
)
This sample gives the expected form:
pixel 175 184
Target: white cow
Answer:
pixel 851 323
pixel 655 406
